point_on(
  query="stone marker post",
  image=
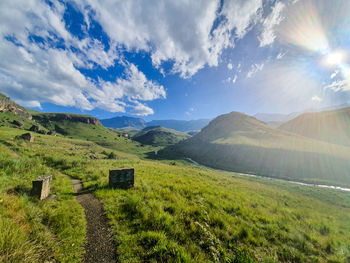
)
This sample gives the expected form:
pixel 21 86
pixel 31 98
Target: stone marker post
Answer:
pixel 41 186
pixel 122 178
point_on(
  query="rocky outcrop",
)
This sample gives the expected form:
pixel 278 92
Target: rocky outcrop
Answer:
pixel 47 117
pixel 7 105
pixel 27 137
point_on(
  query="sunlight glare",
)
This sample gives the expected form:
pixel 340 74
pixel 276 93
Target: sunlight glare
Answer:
pixel 334 58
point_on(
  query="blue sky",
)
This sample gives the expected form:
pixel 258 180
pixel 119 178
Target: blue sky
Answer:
pixel 175 59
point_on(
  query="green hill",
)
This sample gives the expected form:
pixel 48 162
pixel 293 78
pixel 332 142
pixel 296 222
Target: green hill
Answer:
pixel 159 136
pixel 241 143
pixel 331 126
pixel 175 213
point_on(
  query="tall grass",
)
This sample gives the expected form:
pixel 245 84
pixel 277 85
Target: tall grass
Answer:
pixel 178 212
pixel 52 230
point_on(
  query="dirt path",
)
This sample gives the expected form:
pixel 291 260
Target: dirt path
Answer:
pixel 99 246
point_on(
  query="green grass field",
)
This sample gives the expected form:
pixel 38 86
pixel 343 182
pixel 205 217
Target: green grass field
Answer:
pixel 176 212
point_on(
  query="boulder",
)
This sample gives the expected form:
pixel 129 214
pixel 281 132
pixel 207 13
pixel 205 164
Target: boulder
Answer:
pixel 27 136
pixel 19 124
pixel 35 128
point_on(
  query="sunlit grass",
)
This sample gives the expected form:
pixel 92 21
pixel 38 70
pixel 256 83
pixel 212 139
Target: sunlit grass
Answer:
pixel 182 213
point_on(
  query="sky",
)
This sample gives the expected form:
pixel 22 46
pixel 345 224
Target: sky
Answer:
pixel 183 59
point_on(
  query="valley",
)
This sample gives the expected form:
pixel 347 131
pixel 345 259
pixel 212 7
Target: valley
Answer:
pixel 177 211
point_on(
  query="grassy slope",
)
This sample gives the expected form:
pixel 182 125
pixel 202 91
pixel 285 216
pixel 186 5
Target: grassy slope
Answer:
pixel 241 143
pixel 160 136
pixel 330 126
pixel 183 213
pixel 96 133
pixel 33 230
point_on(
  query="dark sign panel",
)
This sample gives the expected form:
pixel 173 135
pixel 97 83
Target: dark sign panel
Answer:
pixel 121 178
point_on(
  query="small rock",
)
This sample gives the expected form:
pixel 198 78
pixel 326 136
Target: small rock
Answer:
pixel 51 133
pixel 35 128
pixel 27 136
pixel 19 124
pixel 93 157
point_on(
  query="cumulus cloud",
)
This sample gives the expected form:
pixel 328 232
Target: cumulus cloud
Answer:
pixel 229 66
pixel 47 70
pixel 141 110
pixel 180 31
pixel 268 35
pixel 42 61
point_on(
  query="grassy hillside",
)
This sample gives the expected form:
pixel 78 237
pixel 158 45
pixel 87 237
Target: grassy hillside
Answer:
pixel 87 130
pixel 175 213
pixel 330 126
pixel 159 136
pixel 31 230
pixel 241 143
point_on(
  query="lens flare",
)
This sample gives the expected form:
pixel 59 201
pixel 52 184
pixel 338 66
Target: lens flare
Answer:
pixel 304 29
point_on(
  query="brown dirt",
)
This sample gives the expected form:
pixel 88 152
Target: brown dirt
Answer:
pixel 99 246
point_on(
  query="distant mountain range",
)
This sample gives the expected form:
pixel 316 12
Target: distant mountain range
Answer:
pixel 124 121
pixel 275 119
pixel 139 123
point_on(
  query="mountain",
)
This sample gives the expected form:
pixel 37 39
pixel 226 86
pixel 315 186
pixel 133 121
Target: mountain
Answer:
pixel 274 118
pixel 241 143
pixel 138 123
pixel 160 136
pixel 124 121
pixel 330 126
pixel 180 125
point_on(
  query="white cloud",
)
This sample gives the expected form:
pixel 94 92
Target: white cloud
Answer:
pixel 190 111
pixel 179 31
pixel 339 85
pixel 280 55
pixel 36 72
pixel 187 33
pixel 141 110
pixel 334 74
pixel 316 98
pixel 254 68
pixel 234 79
pixel 229 66
pixel 268 35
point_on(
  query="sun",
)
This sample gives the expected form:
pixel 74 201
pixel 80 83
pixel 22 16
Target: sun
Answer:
pixel 335 58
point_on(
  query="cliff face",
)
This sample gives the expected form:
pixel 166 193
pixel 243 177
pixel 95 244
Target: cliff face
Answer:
pixel 46 117
pixel 7 105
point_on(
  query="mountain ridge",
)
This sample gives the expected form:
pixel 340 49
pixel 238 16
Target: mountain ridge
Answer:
pixel 139 123
pixel 241 143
